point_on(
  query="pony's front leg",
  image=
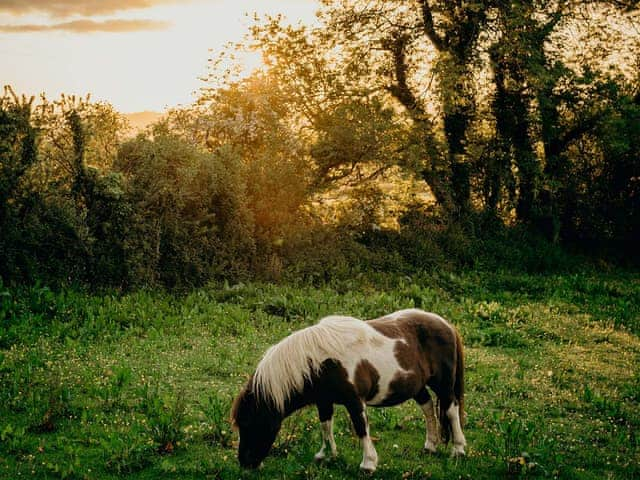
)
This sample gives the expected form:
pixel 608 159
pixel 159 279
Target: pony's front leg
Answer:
pixel 326 422
pixel 361 426
pixel 431 423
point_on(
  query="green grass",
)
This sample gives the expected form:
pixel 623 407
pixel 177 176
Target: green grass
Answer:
pixel 140 385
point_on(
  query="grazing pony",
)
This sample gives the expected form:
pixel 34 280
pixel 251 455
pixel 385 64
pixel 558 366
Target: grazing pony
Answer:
pixel 355 363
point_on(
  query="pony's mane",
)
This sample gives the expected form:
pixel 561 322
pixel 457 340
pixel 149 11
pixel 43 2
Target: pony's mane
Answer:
pixel 286 365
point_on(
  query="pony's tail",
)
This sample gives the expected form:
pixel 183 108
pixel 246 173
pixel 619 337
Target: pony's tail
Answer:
pixel 458 387
pixel 446 431
pixel 458 391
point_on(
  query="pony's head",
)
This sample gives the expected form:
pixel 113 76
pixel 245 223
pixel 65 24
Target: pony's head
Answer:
pixel 258 425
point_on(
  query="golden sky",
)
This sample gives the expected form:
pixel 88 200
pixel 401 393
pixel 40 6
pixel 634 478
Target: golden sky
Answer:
pixel 136 54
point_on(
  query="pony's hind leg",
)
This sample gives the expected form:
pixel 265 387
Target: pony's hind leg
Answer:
pixel 459 442
pixel 361 426
pixel 426 404
pixel 325 413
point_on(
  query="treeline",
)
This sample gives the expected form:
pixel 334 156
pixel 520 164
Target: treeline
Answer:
pixel 522 112
pixel 80 200
pixel 523 145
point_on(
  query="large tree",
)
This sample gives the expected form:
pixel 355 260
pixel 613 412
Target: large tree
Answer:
pixel 428 65
pixel 547 97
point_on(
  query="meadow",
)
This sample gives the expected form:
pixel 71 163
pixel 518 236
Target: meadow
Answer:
pixel 139 385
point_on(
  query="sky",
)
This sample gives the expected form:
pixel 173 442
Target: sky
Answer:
pixel 136 54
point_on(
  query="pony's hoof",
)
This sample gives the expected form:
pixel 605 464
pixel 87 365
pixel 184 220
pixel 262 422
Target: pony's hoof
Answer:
pixel 321 456
pixel 458 451
pixel 430 448
pixel 369 463
pixel 368 469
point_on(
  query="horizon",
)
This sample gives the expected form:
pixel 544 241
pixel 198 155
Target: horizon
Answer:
pixel 139 56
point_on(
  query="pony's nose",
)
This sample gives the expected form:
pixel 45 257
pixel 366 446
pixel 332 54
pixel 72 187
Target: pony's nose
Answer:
pixel 247 462
pixel 244 460
pixel 251 465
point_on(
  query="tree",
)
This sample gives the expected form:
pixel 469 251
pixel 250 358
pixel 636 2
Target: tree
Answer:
pixel 251 118
pixel 189 219
pixel 430 58
pixel 18 153
pixel 18 147
pixel 541 99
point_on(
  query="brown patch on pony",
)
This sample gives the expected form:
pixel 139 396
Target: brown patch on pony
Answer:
pixel 402 387
pixel 425 339
pixel 420 333
pixel 432 349
pixel 366 380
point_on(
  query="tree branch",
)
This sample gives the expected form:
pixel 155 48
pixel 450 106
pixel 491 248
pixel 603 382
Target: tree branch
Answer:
pixel 585 126
pixel 401 90
pixel 429 27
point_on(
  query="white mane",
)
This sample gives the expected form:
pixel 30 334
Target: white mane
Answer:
pixel 285 366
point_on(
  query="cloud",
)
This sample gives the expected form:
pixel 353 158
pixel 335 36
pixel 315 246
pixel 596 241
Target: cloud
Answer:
pixel 89 26
pixel 65 8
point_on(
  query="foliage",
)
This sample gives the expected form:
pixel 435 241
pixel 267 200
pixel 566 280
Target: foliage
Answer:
pixel 507 133
pixel 189 215
pixel 249 119
pixel 600 182
pixel 61 216
pixel 216 411
pixel 526 158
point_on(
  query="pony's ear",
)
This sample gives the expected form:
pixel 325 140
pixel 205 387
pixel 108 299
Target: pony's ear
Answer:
pixel 235 409
pixel 233 418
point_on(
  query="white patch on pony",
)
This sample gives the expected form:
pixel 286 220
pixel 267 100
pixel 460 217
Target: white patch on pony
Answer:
pixel 380 352
pixel 327 437
pixel 285 366
pixel 459 442
pixel 369 454
pixel 431 441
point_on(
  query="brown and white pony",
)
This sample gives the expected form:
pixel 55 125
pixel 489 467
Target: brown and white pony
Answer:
pixel 350 362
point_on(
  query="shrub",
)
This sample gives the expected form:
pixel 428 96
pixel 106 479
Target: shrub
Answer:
pixel 165 419
pixel 216 411
pixel 190 220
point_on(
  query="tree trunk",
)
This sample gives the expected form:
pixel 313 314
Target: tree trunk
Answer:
pixel 455 127
pixel 440 189
pixel 511 111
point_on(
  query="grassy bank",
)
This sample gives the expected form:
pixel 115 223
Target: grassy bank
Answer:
pixel 140 385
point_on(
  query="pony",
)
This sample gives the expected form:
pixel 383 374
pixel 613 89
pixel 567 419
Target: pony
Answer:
pixel 355 363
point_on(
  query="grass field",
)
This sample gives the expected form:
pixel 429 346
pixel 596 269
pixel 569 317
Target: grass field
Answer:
pixel 140 385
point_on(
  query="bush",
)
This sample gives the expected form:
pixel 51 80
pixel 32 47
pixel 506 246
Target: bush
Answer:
pixel 190 220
